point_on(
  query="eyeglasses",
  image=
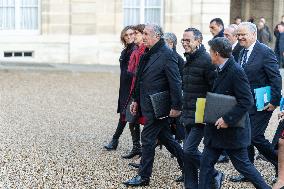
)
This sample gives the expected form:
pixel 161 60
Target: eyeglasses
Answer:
pixel 128 34
pixel 242 34
pixel 185 40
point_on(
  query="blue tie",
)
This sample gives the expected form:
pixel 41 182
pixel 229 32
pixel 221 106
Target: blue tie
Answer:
pixel 244 58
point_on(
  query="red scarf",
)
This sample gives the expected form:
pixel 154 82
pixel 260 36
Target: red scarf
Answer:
pixel 134 58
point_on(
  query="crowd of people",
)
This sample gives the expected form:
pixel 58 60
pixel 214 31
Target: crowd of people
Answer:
pixel 238 62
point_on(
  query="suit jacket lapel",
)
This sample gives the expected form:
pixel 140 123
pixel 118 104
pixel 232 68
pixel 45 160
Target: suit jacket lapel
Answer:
pixel 222 74
pixel 151 61
pixel 218 79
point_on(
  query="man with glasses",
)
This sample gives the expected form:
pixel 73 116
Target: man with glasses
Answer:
pixel 198 77
pixel 260 65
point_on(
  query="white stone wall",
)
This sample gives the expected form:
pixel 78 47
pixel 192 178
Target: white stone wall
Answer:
pixel 87 31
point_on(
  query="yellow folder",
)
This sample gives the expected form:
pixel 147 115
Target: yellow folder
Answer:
pixel 200 107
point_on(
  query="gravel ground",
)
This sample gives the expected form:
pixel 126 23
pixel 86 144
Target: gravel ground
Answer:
pixel 53 128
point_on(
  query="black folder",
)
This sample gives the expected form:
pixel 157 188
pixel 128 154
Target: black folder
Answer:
pixel 161 104
pixel 217 105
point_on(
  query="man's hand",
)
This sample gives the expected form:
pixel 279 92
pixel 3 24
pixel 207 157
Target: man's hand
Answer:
pixel 269 107
pixel 281 116
pixel 174 113
pixel 220 124
pixel 133 108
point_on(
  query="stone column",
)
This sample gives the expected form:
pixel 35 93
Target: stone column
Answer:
pixel 245 9
pixel 278 11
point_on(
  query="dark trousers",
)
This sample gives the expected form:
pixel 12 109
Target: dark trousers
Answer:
pixel 177 128
pixel 259 122
pixel 240 161
pixel 278 134
pixel 157 129
pixel 134 130
pixel 192 156
pixel 119 129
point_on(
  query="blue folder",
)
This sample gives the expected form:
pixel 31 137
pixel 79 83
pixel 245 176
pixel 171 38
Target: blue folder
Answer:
pixel 262 97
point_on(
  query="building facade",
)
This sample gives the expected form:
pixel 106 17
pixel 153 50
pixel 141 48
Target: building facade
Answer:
pixel 88 31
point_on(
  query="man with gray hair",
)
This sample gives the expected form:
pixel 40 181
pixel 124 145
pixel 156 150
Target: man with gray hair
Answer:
pixel 157 72
pixel 171 40
pixel 261 67
pixel 175 124
pixel 225 134
pixel 230 33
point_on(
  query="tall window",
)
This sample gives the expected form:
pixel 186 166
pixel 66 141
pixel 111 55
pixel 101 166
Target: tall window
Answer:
pixel 143 11
pixel 19 15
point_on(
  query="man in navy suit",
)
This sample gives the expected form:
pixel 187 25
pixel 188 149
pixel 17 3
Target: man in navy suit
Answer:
pixel 157 72
pixel 225 134
pixel 260 65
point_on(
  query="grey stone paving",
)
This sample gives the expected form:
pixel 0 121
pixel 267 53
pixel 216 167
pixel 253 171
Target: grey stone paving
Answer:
pixel 54 123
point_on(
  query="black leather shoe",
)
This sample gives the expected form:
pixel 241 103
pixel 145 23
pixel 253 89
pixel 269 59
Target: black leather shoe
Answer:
pixel 137 181
pixel 180 178
pixel 135 165
pixel 218 179
pixel 223 159
pixel 239 178
pixel 112 145
pixel 132 153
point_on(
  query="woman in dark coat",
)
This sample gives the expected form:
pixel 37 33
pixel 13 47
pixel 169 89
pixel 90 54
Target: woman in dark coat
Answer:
pixel 127 39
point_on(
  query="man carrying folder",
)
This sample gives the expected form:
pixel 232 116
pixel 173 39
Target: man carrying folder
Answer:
pixel 225 134
pixel 260 65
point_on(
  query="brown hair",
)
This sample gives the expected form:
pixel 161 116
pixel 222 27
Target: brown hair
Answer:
pixel 139 27
pixel 123 33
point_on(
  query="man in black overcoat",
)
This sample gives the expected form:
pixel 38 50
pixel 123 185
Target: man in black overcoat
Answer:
pixel 158 71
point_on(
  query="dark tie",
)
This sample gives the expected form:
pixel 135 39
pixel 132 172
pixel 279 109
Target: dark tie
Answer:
pixel 244 57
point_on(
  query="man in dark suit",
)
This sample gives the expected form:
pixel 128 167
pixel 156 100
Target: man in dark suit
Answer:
pixel 158 71
pixel 217 30
pixel 225 134
pixel 230 33
pixel 260 65
pixel 217 27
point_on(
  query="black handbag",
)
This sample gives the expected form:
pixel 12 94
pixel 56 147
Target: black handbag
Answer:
pixel 217 105
pixel 161 104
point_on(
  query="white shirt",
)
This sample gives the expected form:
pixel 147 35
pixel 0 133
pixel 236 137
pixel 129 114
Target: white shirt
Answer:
pixel 234 45
pixel 249 50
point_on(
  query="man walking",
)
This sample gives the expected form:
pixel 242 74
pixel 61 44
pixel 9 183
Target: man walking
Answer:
pixel 260 65
pixel 225 134
pixel 198 77
pixel 158 71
